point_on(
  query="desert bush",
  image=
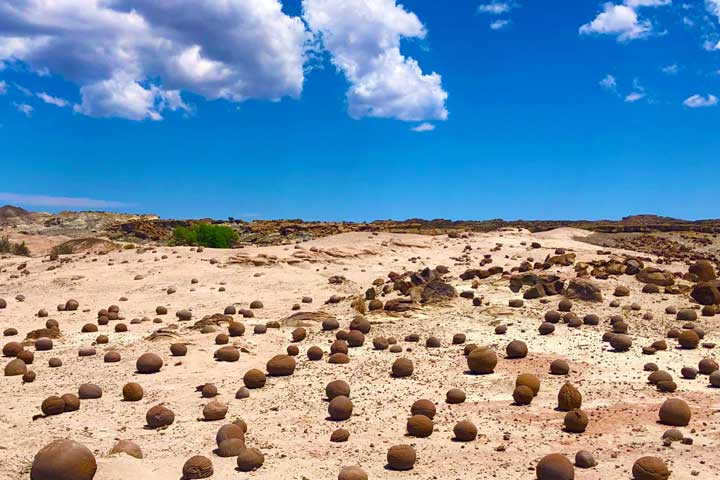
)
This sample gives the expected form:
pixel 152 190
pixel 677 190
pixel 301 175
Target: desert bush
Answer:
pixel 6 246
pixel 62 249
pixel 205 235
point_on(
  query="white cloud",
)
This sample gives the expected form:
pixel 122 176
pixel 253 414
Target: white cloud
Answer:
pixel 24 108
pixel 363 38
pixel 698 101
pixel 57 101
pixel 619 20
pixel 126 55
pixel 609 83
pixel 499 24
pixel 713 6
pixel 671 69
pixel 3 87
pixel 634 97
pixel 647 3
pixel 50 201
pixel 25 91
pixel 495 8
pixel 423 127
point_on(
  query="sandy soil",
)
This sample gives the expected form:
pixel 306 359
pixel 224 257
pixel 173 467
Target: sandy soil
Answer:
pixel 287 419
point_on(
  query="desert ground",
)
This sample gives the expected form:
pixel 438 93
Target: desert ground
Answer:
pixel 287 419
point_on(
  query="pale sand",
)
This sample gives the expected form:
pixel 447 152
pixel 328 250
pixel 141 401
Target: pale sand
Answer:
pixel 287 418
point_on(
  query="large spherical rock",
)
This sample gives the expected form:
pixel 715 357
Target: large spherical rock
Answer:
pixel 529 380
pixel 650 468
pixel 337 388
pixel 352 473
pixel 281 366
pixel 620 342
pixel 15 367
pixel 482 360
pixel 555 467
pixel 559 367
pixel 402 367
pixel 675 412
pixel 178 349
pixel 569 398
pixel 523 395
pixel 11 349
pixel 236 329
pixel 689 339
pixel 72 402
pixel 214 411
pixel 197 467
pixel 423 407
pixel 516 349
pixel 227 354
pixel 250 459
pixel 419 426
pixel 340 408
pixel 89 391
pixel 465 431
pixel 575 421
pixel 159 416
pixel 401 457
pixel 229 431
pixel 708 365
pixel 53 406
pixel 149 363
pixel 43 344
pixel 254 378
pixel 63 460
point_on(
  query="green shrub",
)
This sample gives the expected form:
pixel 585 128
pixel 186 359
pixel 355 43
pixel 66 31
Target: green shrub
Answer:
pixel 205 235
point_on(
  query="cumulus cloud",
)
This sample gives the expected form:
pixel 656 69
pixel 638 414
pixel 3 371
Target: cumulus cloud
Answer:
pixel 647 3
pixel 423 127
pixel 619 20
pixel 131 57
pixel 52 201
pixel 670 69
pixel 24 108
pixel 699 101
pixel 633 97
pixel 363 37
pixel 57 101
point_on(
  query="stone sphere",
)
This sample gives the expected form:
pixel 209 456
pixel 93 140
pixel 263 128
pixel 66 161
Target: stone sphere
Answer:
pixel 281 366
pixel 339 435
pixel 43 344
pixel 559 367
pixel 423 407
pixel 546 328
pixel 675 412
pixel 197 467
pixel 689 339
pixel 178 349
pixel 516 349
pixel 227 354
pixel 355 338
pixel 149 363
pixel 401 457
pixel 340 408
pixel 715 379
pixel 250 459
pixel 53 406
pixel 236 329
pixel 337 388
pixel 228 431
pixel 15 367
pixel 315 353
pixel 254 378
pixel 11 349
pixel 569 398
pixel 63 460
pixel 650 468
pixel 72 402
pixel 620 342
pixel 352 473
pixel 339 346
pixel 419 426
pixel 132 392
pixel 455 396
pixel 214 411
pixel 555 467
pixel 361 324
pixel 338 359
pixel 482 360
pixel 402 367
pixel 128 448
pixel 465 431
pixel 112 357
pixel 585 459
pixel 576 421
pixel 706 366
pixel 529 380
pixel 159 416
pixel 299 334
pixel 522 395
pixel 89 391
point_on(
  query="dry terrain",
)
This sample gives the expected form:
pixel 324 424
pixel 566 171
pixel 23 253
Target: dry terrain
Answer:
pixel 288 420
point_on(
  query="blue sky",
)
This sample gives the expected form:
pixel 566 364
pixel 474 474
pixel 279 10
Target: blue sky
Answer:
pixel 362 109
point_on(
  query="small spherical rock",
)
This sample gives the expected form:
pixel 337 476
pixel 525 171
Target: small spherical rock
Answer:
pixel 465 431
pixel 352 473
pixel 149 363
pixel 455 396
pixel 555 467
pixel 585 459
pixel 254 379
pixel 63 460
pixel 576 421
pixel 522 395
pixel 650 468
pixel 423 407
pixel 419 426
pixel 178 349
pixel 337 388
pixel 482 360
pixel 340 408
pixel 132 392
pixel 281 366
pixel 197 467
pixel 89 391
pixel 402 367
pixel 689 339
pixel 250 459
pixel 159 416
pixel 569 398
pixel 675 412
pixel 53 406
pixel 516 349
pixel 214 411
